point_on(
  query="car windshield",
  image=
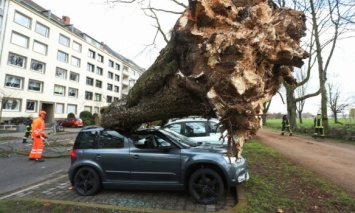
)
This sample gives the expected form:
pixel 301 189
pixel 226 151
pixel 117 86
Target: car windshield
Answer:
pixel 183 140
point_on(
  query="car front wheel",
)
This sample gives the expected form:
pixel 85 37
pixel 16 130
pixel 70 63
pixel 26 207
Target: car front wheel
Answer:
pixel 87 181
pixel 206 186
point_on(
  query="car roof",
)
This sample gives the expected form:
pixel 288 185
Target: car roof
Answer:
pixel 191 119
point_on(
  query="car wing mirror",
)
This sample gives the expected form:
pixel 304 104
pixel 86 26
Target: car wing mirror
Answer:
pixel 165 145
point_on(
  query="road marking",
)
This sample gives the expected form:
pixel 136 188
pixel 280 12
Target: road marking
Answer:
pixel 31 187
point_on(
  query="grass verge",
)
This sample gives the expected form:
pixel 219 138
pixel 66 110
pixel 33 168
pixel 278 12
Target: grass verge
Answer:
pixel 278 185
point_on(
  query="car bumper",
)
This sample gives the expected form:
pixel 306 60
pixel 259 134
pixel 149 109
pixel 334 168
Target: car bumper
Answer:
pixel 238 172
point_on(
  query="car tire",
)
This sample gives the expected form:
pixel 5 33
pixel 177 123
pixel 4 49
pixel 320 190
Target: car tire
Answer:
pixel 86 181
pixel 206 186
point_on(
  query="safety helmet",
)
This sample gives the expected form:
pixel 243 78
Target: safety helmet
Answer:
pixel 42 113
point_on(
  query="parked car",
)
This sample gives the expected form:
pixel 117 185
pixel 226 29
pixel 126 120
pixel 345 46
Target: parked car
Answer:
pixel 72 122
pixel 151 159
pixel 201 130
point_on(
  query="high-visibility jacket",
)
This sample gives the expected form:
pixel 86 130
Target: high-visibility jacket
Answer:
pixel 318 122
pixel 28 124
pixel 38 127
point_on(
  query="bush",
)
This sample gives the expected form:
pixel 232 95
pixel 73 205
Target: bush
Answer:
pixel 96 119
pixel 71 115
pixel 87 117
pixel 18 120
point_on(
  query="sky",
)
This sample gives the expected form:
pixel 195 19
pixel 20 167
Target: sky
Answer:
pixel 128 31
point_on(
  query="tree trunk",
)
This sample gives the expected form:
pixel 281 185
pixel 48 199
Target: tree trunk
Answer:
pixel 224 59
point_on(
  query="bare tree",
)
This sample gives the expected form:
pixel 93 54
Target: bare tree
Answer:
pixel 337 102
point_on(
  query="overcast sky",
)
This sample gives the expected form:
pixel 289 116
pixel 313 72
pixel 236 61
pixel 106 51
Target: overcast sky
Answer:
pixel 128 31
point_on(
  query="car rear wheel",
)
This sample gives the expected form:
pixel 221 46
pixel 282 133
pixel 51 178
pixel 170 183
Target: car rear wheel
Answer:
pixel 206 186
pixel 86 181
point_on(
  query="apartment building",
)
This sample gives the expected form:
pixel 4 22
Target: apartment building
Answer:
pixel 48 64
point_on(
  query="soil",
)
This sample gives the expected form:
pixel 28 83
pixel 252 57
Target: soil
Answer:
pixel 329 159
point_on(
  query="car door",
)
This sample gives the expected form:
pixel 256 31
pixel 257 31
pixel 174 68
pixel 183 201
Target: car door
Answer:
pixel 112 155
pixel 153 165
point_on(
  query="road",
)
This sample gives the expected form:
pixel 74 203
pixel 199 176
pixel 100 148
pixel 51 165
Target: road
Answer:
pixel 18 172
pixel 331 160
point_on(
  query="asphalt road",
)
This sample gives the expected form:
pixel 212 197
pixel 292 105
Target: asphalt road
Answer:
pixel 18 172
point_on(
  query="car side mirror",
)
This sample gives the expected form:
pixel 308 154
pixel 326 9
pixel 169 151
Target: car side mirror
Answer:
pixel 165 146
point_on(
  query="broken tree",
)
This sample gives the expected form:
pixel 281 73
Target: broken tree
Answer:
pixel 225 59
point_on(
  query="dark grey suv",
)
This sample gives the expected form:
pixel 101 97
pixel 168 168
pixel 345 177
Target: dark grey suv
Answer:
pixel 151 159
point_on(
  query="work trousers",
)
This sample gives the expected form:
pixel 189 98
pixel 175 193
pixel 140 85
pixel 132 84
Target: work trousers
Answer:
pixel 37 148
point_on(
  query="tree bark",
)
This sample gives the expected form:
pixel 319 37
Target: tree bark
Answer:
pixel 224 59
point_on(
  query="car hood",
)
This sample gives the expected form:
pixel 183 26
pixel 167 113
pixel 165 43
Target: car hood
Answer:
pixel 210 148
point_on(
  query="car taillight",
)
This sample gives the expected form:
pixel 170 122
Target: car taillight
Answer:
pixel 73 153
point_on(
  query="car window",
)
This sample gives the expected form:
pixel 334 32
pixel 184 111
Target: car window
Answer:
pixel 145 141
pixel 179 138
pixel 110 140
pixel 175 127
pixel 85 140
pixel 214 127
pixel 195 129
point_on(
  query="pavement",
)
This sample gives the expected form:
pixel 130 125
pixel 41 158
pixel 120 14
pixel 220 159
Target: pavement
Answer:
pixel 57 189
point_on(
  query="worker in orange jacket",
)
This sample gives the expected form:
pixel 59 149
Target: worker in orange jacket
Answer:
pixel 38 127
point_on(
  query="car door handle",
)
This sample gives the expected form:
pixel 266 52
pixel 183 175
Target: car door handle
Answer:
pixel 135 156
pixel 98 156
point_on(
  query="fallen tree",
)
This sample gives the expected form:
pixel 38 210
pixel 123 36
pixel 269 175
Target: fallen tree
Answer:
pixel 225 59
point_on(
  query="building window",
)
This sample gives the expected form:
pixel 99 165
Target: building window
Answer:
pixel 64 40
pixel 88 95
pixel 97 97
pixel 11 105
pixel 31 106
pixel 117 89
pixel 72 92
pixel 35 85
pixel 90 67
pixel 71 108
pixel 13 82
pixel 17 60
pixel 74 76
pixel 117 78
pixel 109 87
pixel 41 29
pixel 91 54
pixel 19 40
pixel 110 63
pixel 62 56
pixel 60 73
pixel 98 84
pixel 37 66
pixel 22 20
pixel 39 47
pixel 110 75
pixel 87 108
pixel 96 109
pixel 117 66
pixel 59 90
pixel 59 108
pixel 75 61
pixel 89 81
pixel 99 70
pixel 100 58
pixel 109 99
pixel 76 46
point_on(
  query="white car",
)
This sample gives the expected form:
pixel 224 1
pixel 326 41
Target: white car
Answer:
pixel 202 130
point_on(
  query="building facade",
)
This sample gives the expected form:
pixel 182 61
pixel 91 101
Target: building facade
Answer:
pixel 48 64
